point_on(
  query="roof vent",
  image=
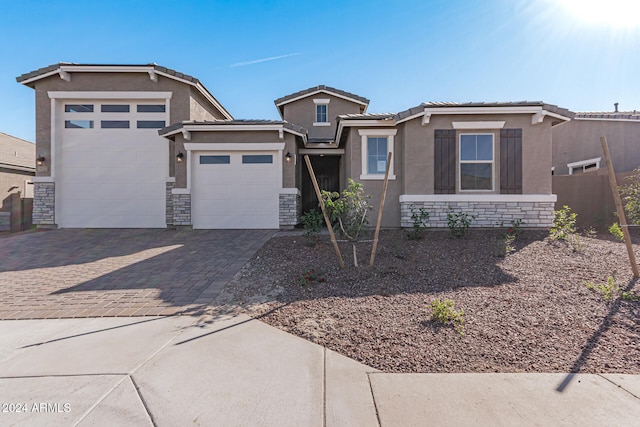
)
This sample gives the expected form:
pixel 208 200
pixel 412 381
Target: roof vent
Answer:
pixel 616 106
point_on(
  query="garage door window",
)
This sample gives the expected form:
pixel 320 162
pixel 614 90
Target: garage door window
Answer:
pixel 78 108
pixel 257 158
pixel 142 108
pixel 150 124
pixel 78 124
pixel 113 108
pixel 114 124
pixel 215 160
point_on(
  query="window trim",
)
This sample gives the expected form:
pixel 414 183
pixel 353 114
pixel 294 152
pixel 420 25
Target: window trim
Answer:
pixel 581 164
pixel 492 162
pixel 317 103
pixel 377 133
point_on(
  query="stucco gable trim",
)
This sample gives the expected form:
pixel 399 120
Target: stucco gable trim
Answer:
pixel 337 95
pixel 479 125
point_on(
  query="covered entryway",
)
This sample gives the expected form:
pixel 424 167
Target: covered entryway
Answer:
pixel 111 166
pixel 235 189
pixel 327 171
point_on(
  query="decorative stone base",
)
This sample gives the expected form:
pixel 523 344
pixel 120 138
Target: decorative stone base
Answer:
pixel 169 203
pixel 536 211
pixel 290 208
pixel 44 204
pixel 181 209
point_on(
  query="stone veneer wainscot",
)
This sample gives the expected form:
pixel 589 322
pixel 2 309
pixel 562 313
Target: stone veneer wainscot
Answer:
pixel 44 203
pixel 290 208
pixel 536 210
pixel 181 208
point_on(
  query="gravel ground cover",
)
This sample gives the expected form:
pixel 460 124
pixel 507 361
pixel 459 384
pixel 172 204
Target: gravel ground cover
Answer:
pixel 527 311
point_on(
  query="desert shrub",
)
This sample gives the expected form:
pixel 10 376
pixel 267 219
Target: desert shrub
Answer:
pixel 616 231
pixel 444 312
pixel 312 223
pixel 459 222
pixel 420 220
pixel 630 195
pixel 564 224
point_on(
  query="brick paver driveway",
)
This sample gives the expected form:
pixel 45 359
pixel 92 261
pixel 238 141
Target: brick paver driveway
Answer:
pixel 90 273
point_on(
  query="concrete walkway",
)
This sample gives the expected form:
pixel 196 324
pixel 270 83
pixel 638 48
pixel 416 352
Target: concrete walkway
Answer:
pixel 178 371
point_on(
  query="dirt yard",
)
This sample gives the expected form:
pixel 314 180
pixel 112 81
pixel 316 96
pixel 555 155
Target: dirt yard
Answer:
pixel 527 311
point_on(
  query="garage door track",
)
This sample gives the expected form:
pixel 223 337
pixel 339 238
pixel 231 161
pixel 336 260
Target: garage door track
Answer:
pixel 95 273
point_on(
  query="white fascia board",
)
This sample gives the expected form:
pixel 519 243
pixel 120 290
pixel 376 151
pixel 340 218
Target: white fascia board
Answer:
pixel 490 198
pixel 109 95
pixel 234 146
pixel 41 76
pixel 321 91
pixel 352 123
pixel 321 101
pixel 212 128
pixel 556 115
pixel 478 125
pixel 532 109
pixel 415 116
pixel 377 132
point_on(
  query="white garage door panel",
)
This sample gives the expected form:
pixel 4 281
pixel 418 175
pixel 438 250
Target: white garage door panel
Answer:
pixel 111 178
pixel 236 195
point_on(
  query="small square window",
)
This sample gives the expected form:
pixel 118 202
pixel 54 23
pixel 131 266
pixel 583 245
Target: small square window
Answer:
pixel 78 108
pixel 257 158
pixel 78 124
pixel 321 113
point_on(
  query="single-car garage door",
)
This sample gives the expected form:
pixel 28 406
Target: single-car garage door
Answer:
pixel 236 189
pixel 111 165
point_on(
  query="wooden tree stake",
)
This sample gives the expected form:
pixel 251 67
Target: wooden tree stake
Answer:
pixel 384 196
pixel 324 211
pixel 619 207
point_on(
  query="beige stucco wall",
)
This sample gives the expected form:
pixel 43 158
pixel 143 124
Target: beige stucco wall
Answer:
pixel 179 107
pixel 580 140
pixel 238 137
pixel 303 113
pixel 10 178
pixel 201 109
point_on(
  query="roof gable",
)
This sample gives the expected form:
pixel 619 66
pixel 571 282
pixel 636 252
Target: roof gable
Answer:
pixel 352 97
pixel 65 69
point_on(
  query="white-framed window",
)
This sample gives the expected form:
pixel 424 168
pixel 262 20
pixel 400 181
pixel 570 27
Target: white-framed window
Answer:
pixel 376 145
pixel 476 157
pixel 584 166
pixel 321 112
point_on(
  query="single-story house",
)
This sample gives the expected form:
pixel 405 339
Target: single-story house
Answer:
pixel 147 146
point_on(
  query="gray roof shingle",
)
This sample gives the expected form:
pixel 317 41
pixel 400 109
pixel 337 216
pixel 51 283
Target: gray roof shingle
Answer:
pixel 612 115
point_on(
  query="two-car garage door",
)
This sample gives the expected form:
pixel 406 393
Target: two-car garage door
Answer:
pixel 235 189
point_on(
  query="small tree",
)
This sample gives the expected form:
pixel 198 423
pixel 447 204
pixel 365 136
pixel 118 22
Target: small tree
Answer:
pixel 630 194
pixel 348 211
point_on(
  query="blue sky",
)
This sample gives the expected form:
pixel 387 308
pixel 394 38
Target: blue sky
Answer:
pixel 396 53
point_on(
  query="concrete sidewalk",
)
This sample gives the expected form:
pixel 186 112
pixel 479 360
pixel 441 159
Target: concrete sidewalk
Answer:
pixel 170 371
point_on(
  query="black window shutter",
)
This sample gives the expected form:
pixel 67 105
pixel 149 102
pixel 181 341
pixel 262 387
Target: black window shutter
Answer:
pixel 445 161
pixel 511 161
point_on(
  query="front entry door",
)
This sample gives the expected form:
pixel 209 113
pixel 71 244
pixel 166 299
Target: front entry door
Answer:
pixel 327 170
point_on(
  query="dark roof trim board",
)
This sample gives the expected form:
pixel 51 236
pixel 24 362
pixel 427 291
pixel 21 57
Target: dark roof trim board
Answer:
pixel 64 70
pixel 233 125
pixel 280 102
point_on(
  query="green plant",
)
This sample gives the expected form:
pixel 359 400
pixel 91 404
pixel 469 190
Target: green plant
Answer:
pixel 348 211
pixel 591 232
pixel 443 312
pixel 459 222
pixel 311 277
pixel 508 243
pixel 312 223
pixel 630 194
pixel 608 290
pixel 564 224
pixel 629 296
pixel 616 231
pixel 420 219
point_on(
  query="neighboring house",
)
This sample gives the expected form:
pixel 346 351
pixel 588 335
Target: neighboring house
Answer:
pixel 577 148
pixel 145 146
pixel 17 165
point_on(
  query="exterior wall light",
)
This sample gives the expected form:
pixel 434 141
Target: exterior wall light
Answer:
pixel 288 157
pixel 40 160
pixel 179 157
